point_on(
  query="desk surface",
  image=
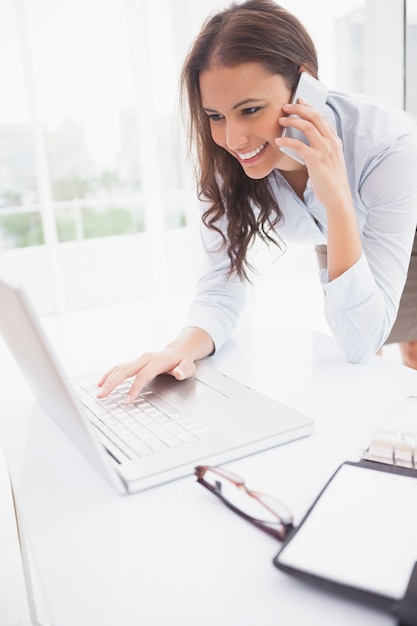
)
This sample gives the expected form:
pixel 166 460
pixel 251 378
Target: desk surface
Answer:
pixel 174 554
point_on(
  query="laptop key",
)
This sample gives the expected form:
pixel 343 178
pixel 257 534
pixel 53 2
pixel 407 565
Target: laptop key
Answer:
pixel 161 404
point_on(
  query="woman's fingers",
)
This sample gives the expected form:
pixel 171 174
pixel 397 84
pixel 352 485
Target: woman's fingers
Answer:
pixel 119 373
pixel 145 368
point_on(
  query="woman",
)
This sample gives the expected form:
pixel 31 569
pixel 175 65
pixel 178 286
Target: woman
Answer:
pixel 356 192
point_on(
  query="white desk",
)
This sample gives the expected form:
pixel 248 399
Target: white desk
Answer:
pixel 175 554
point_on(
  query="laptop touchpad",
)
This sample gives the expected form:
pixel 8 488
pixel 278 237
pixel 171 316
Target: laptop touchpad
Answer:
pixel 191 390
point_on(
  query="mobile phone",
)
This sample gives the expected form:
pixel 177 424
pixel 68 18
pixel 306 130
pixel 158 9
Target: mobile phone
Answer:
pixel 315 94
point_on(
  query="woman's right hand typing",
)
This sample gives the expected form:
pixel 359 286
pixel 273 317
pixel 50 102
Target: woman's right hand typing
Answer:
pixel 177 359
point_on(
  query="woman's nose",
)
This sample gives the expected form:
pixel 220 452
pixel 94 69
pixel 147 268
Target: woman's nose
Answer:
pixel 236 136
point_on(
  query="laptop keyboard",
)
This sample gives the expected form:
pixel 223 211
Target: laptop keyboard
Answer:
pixel 132 431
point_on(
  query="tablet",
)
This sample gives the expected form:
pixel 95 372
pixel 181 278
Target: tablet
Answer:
pixel 360 535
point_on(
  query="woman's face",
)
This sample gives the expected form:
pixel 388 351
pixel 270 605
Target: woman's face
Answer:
pixel 243 104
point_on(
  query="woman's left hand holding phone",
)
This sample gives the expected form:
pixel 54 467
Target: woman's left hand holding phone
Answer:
pixel 323 157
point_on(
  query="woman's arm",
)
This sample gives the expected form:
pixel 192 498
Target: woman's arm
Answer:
pixel 212 316
pixel 327 172
pixel 362 304
pixel 367 262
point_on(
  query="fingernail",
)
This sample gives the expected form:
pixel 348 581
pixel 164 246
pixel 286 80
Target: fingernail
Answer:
pixel 180 372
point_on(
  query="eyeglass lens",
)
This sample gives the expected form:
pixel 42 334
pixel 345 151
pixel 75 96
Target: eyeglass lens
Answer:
pixel 259 506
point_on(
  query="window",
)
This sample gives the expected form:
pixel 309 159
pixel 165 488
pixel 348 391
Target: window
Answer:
pixel 93 172
pixel 20 221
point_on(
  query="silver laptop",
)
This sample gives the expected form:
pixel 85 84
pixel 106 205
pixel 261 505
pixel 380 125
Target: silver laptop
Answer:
pixel 173 426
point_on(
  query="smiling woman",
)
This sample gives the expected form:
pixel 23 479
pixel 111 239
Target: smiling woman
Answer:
pixel 354 189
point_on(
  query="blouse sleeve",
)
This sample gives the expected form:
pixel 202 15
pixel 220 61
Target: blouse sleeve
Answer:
pixel 219 299
pixel 361 305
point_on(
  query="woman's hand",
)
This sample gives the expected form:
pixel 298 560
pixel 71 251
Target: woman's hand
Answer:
pixel 324 157
pixel 145 368
pixel 177 359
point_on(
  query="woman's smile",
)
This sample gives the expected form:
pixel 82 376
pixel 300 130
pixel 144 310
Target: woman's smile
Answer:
pixel 250 157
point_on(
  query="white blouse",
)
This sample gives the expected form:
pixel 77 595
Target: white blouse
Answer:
pixel 380 149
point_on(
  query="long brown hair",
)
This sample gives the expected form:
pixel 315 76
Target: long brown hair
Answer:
pixel 255 31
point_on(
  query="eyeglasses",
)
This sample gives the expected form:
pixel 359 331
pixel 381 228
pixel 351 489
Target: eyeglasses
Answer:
pixel 257 508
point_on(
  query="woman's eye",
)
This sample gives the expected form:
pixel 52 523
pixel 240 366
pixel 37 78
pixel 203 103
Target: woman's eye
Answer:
pixel 215 117
pixel 251 110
